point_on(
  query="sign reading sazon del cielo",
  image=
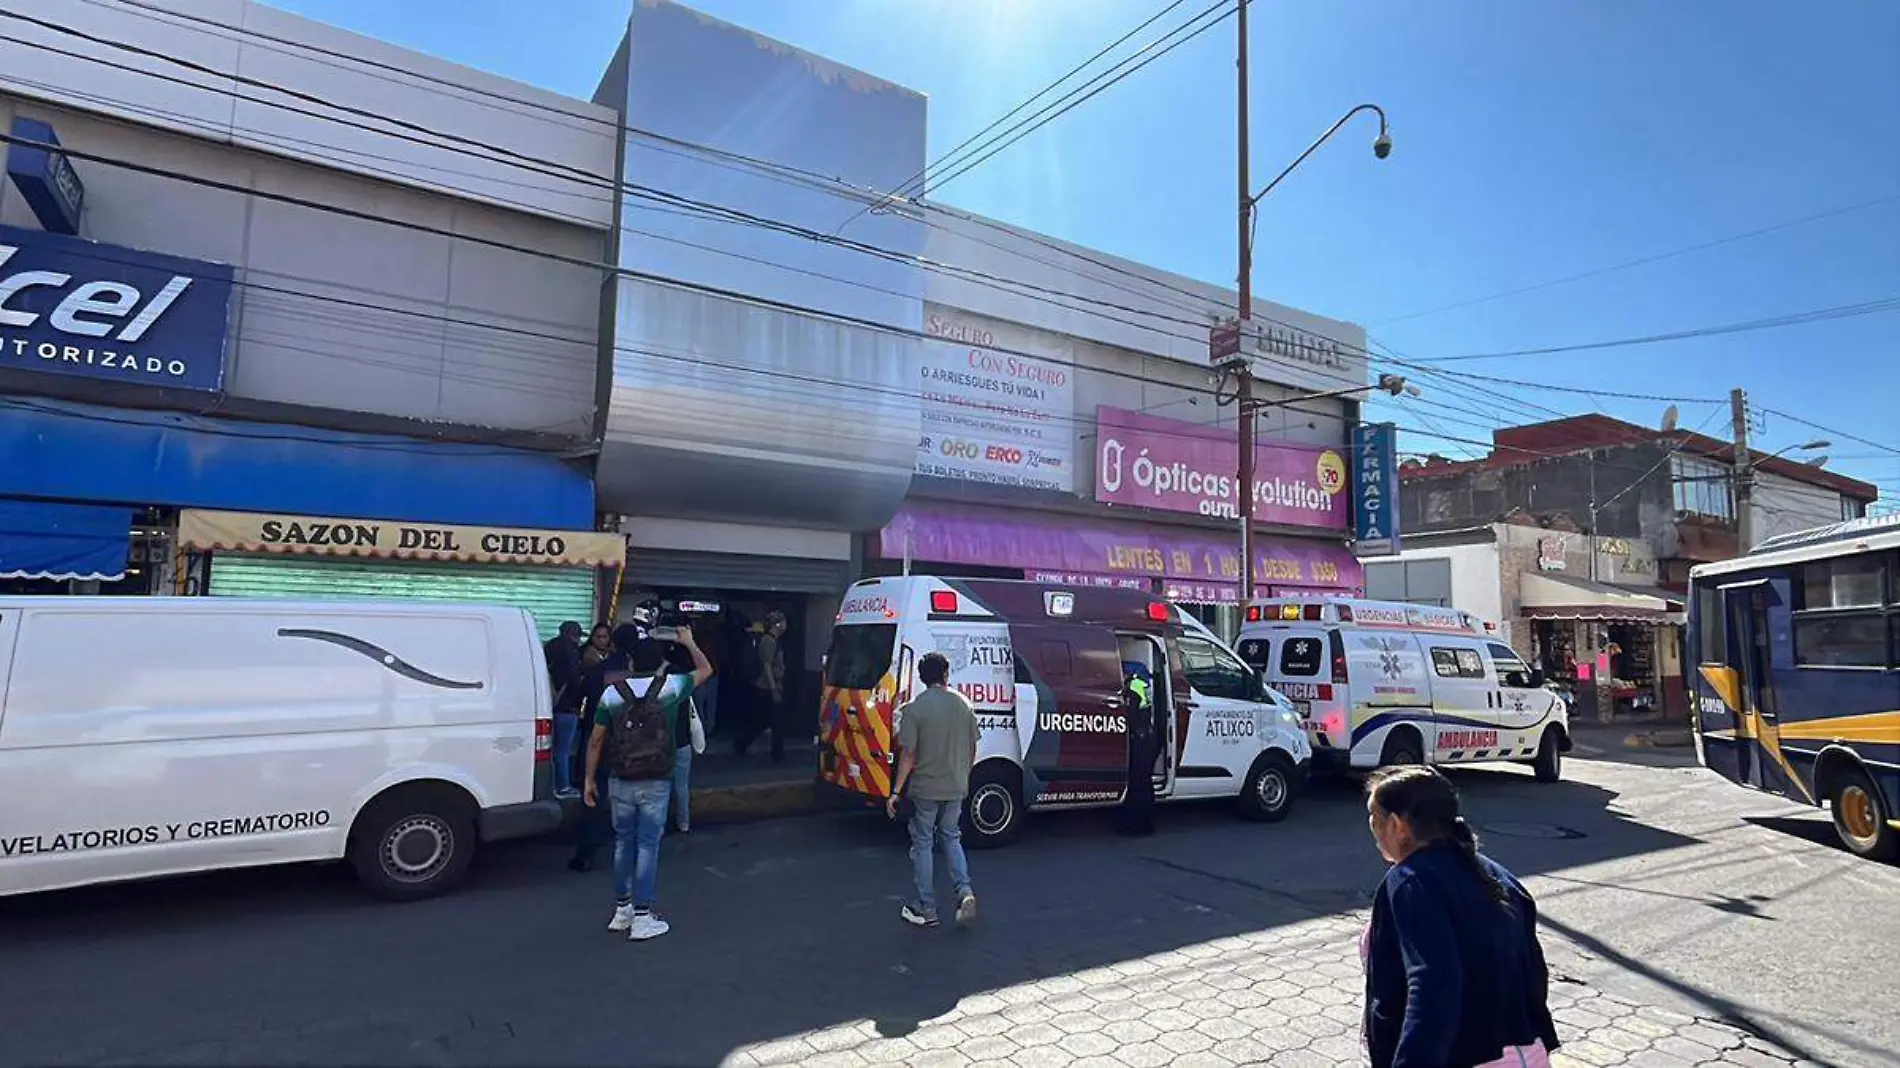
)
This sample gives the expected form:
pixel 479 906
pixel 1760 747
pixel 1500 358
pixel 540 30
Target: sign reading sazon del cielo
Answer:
pixel 305 535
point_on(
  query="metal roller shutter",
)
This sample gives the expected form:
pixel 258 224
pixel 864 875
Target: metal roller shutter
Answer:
pixel 552 594
pixel 729 571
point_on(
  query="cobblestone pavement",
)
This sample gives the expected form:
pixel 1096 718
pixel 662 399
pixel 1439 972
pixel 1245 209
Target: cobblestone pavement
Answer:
pixel 1285 997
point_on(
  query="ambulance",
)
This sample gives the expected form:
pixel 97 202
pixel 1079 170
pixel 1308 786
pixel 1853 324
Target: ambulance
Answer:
pixel 1044 667
pixel 1384 682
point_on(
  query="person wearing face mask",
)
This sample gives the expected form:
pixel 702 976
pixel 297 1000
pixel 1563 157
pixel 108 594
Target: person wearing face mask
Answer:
pixel 1455 977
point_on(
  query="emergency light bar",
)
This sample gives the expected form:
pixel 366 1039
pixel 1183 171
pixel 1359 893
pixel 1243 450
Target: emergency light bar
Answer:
pixel 1158 611
pixel 944 601
pixel 1058 603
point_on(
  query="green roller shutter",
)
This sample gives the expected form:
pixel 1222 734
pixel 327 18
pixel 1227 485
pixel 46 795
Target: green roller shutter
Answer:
pixel 552 594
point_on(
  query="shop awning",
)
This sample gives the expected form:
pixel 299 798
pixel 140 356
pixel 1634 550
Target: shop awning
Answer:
pixel 46 540
pixel 1554 597
pixel 1193 564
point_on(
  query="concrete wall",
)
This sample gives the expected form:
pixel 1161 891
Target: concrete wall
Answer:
pixel 1783 506
pixel 1630 487
pixel 336 316
pixel 1475 582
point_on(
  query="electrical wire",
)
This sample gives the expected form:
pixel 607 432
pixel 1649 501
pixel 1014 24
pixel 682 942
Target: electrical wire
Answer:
pixel 1845 311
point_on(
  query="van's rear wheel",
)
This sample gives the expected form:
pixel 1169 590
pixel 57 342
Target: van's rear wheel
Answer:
pixel 413 843
pixel 993 813
pixel 1271 786
pixel 1548 765
pixel 1860 816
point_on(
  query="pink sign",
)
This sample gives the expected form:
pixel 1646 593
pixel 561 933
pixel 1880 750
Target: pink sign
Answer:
pixel 1174 466
pixel 1193 565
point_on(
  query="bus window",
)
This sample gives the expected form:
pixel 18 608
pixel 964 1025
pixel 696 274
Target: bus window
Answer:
pixel 1849 582
pixel 1711 626
pixel 1841 640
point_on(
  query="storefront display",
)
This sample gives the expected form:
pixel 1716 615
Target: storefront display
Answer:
pixel 551 573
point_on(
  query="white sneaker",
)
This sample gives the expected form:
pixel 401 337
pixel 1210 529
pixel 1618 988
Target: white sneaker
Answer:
pixel 646 925
pixel 623 918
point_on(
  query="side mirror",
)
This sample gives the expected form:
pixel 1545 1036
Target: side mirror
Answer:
pixel 1538 680
pixel 1258 684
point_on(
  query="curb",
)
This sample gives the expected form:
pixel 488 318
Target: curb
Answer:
pixel 758 801
pixel 1677 738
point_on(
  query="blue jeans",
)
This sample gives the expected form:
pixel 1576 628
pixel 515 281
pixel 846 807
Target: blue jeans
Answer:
pixel 639 809
pixel 566 726
pixel 683 787
pixel 934 823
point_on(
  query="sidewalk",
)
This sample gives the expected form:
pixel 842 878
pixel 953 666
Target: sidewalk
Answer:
pixel 1653 730
pixel 728 788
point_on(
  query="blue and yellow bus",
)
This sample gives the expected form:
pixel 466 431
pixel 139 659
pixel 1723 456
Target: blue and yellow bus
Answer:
pixel 1797 687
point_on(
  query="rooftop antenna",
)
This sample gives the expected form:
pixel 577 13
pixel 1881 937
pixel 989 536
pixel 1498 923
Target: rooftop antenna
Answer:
pixel 1670 415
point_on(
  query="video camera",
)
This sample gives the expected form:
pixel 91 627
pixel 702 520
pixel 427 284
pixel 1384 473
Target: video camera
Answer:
pixel 664 619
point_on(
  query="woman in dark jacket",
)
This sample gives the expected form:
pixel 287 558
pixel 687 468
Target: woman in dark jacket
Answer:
pixel 1455 977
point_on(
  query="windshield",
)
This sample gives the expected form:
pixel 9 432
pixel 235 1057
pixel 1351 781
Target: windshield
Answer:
pixel 860 654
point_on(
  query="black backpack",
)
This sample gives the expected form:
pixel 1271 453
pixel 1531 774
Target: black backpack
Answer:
pixel 643 748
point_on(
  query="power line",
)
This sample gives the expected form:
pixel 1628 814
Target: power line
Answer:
pixel 1844 311
pixel 907 186
pixel 1887 449
pixel 1645 260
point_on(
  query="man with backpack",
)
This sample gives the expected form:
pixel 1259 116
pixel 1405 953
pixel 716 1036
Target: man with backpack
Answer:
pixel 638 711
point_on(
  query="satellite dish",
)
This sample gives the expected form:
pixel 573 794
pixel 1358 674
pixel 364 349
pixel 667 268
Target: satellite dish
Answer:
pixel 1670 415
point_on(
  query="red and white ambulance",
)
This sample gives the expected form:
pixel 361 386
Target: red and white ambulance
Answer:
pixel 1044 667
pixel 1384 682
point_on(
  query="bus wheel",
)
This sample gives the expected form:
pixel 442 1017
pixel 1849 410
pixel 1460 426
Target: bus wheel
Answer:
pixel 1549 765
pixel 1268 795
pixel 994 811
pixel 1860 817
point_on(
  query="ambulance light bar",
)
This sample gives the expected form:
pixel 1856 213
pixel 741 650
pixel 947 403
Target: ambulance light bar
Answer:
pixel 943 601
pixel 1158 611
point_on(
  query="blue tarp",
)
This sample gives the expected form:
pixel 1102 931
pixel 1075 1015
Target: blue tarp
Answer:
pixel 68 451
pixel 46 540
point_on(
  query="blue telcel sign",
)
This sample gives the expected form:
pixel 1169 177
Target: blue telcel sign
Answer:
pixel 79 308
pixel 45 177
pixel 1375 489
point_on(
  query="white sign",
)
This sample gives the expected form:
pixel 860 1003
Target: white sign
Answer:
pixel 996 416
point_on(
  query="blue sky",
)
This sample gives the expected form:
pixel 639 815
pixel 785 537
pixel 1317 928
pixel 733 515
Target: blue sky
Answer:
pixel 1533 142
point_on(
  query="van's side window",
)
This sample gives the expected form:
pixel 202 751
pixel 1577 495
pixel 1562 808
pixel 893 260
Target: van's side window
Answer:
pixel 1444 663
pixel 1302 657
pixel 1470 664
pixel 1512 670
pixel 1211 671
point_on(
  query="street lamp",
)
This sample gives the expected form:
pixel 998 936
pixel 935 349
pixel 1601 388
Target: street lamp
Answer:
pixel 1241 362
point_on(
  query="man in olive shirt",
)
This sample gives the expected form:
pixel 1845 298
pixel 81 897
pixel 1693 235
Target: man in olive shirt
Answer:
pixel 936 739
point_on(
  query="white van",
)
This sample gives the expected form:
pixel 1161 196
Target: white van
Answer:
pixel 153 736
pixel 1383 682
pixel 1044 667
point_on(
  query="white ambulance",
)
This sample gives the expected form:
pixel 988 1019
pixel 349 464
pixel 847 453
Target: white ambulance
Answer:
pixel 1044 667
pixel 1383 682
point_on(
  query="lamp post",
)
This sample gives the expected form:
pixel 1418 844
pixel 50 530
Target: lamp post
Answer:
pixel 1240 362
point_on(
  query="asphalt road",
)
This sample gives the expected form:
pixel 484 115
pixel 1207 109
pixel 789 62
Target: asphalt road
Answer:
pixel 1687 921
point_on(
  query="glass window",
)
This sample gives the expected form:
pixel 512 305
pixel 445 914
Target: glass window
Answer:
pixel 1257 652
pixel 1445 663
pixel 1711 630
pixel 1302 657
pixel 1846 582
pixel 1470 664
pixel 1702 487
pixel 1510 667
pixel 1841 641
pixel 1853 509
pixel 1212 672
pixel 860 655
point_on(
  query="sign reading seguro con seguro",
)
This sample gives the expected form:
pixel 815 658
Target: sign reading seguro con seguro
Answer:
pixel 992 413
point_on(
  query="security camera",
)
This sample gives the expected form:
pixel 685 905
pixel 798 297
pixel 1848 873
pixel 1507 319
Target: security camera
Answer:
pixel 1383 146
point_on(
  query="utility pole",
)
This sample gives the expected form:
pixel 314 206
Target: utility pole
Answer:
pixel 1744 466
pixel 1244 372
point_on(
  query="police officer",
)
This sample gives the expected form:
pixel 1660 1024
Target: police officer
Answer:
pixel 1138 805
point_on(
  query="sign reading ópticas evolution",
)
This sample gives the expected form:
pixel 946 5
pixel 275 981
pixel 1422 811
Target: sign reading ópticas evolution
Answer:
pixel 78 308
pixel 991 411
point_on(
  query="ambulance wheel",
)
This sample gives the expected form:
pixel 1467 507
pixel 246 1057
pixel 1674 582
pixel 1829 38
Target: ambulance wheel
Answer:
pixel 1402 747
pixel 1271 785
pixel 1549 764
pixel 993 813
pixel 1860 816
pixel 413 842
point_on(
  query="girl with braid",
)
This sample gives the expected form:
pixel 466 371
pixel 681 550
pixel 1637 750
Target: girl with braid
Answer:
pixel 1455 977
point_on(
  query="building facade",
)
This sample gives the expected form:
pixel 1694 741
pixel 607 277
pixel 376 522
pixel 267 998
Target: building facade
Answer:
pixel 1577 536
pixel 255 344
